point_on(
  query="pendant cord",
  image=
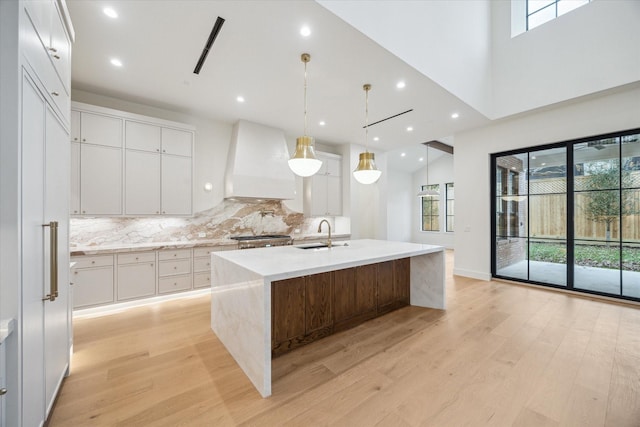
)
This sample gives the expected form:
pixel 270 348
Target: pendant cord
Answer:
pixel 366 121
pixel 305 99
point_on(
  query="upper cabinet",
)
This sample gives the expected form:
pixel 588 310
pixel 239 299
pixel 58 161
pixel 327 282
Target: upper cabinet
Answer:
pixel 147 166
pixel 323 191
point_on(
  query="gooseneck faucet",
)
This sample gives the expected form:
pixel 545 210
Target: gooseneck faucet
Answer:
pixel 320 230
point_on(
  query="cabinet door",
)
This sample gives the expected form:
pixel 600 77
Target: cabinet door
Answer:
pixel 176 185
pixel 74 197
pixel 75 126
pixel 136 280
pixel 92 286
pixel 39 12
pixel 287 310
pixel 366 288
pixel 402 279
pixel 177 142
pixel 60 49
pixel 318 302
pixel 334 166
pixel 344 294
pixel 319 195
pixel 334 195
pixel 100 130
pixel 142 183
pixel 142 136
pixel 386 291
pixel 101 180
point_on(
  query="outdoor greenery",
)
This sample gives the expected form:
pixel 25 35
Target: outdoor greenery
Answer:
pixel 587 255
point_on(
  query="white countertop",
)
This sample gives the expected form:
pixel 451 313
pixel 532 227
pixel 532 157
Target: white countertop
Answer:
pixel 283 262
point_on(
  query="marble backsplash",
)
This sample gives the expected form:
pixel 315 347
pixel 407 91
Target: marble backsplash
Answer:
pixel 229 218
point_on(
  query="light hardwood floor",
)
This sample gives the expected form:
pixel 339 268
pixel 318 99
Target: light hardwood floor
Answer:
pixel 500 355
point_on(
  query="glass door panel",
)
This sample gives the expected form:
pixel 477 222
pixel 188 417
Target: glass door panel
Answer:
pixel 548 216
pixel 630 215
pixel 511 216
pixel 597 208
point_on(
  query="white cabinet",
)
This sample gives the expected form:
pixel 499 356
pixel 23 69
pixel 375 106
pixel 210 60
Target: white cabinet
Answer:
pixel 92 278
pixel 100 180
pixel 98 129
pixel 176 185
pixel 142 136
pixel 176 142
pixel 136 275
pixel 142 183
pixel 323 191
pixel 174 270
pixel 74 197
pixel 202 267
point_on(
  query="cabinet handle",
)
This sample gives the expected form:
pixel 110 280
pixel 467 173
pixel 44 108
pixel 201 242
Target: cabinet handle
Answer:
pixel 75 272
pixel 56 56
pixel 54 93
pixel 175 268
pixel 75 139
pixel 136 258
pixel 164 212
pixel 75 211
pixel 157 212
pixel 84 211
pixel 164 151
pixel 151 264
pixel 53 261
pixel 53 49
pixel 3 391
pixel 157 149
pixel 93 262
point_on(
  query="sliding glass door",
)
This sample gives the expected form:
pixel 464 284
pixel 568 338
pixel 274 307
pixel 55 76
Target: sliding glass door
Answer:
pixel 568 215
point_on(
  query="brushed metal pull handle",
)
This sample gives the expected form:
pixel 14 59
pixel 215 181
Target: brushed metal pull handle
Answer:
pixel 53 49
pixel 53 261
pixel 3 391
pixel 54 93
pixel 84 139
pixel 75 139
pixel 56 56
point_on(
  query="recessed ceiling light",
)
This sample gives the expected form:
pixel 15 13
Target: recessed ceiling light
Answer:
pixel 400 85
pixel 116 62
pixel 455 115
pixel 240 99
pixel 305 31
pixel 410 129
pixel 544 164
pixel 375 138
pixel 110 12
pixel 322 123
pixel 533 157
pixel 403 154
pixel 421 159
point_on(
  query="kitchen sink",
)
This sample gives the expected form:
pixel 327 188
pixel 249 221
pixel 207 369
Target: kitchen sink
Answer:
pixel 320 246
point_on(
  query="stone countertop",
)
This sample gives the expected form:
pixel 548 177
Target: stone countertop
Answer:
pixel 267 262
pixel 79 250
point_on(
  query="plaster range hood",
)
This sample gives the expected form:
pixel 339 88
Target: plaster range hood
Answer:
pixel 257 165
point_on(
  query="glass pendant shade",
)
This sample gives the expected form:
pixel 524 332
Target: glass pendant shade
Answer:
pixel 304 162
pixel 366 172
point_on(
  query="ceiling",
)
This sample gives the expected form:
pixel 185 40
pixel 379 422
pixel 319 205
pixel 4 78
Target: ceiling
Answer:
pixel 257 56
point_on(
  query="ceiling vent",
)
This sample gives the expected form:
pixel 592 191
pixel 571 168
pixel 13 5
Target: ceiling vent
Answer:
pixel 207 47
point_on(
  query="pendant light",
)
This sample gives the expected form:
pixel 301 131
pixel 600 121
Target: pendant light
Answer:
pixel 428 192
pixel 304 162
pixel 366 172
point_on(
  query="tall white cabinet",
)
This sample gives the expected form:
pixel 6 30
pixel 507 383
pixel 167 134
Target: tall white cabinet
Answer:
pixel 34 187
pixel 128 164
pixel 323 191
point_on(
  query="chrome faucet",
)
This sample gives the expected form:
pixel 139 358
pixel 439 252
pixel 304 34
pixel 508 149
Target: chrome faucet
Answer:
pixel 320 230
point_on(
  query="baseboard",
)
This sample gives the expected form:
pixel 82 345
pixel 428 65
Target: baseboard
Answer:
pixel 472 274
pixel 104 310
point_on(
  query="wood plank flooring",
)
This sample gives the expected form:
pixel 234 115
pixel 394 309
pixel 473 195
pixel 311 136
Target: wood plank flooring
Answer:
pixel 500 355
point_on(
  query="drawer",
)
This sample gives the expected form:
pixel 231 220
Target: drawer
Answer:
pixel 173 284
pixel 174 254
pixel 202 264
pixel 92 261
pixel 172 268
pixel 136 257
pixel 204 251
pixel 201 280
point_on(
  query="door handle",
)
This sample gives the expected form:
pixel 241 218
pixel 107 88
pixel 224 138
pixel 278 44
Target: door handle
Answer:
pixel 53 261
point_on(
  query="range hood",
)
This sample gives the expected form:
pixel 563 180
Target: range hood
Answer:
pixel 257 165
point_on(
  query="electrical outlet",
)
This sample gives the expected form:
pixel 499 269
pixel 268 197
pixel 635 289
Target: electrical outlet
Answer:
pixel 201 234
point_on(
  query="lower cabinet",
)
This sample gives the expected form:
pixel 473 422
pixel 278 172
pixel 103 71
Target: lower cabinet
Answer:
pixel 106 279
pixel 92 281
pixel 136 275
pixel 305 309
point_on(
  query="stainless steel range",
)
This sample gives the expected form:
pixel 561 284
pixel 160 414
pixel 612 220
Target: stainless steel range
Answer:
pixel 262 241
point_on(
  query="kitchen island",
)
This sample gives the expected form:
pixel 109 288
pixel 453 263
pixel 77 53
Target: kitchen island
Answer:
pixel 241 287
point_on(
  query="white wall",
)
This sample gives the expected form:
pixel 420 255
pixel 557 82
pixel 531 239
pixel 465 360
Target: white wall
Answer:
pixel 440 171
pixel 448 41
pixel 590 49
pixel 399 206
pixel 618 110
